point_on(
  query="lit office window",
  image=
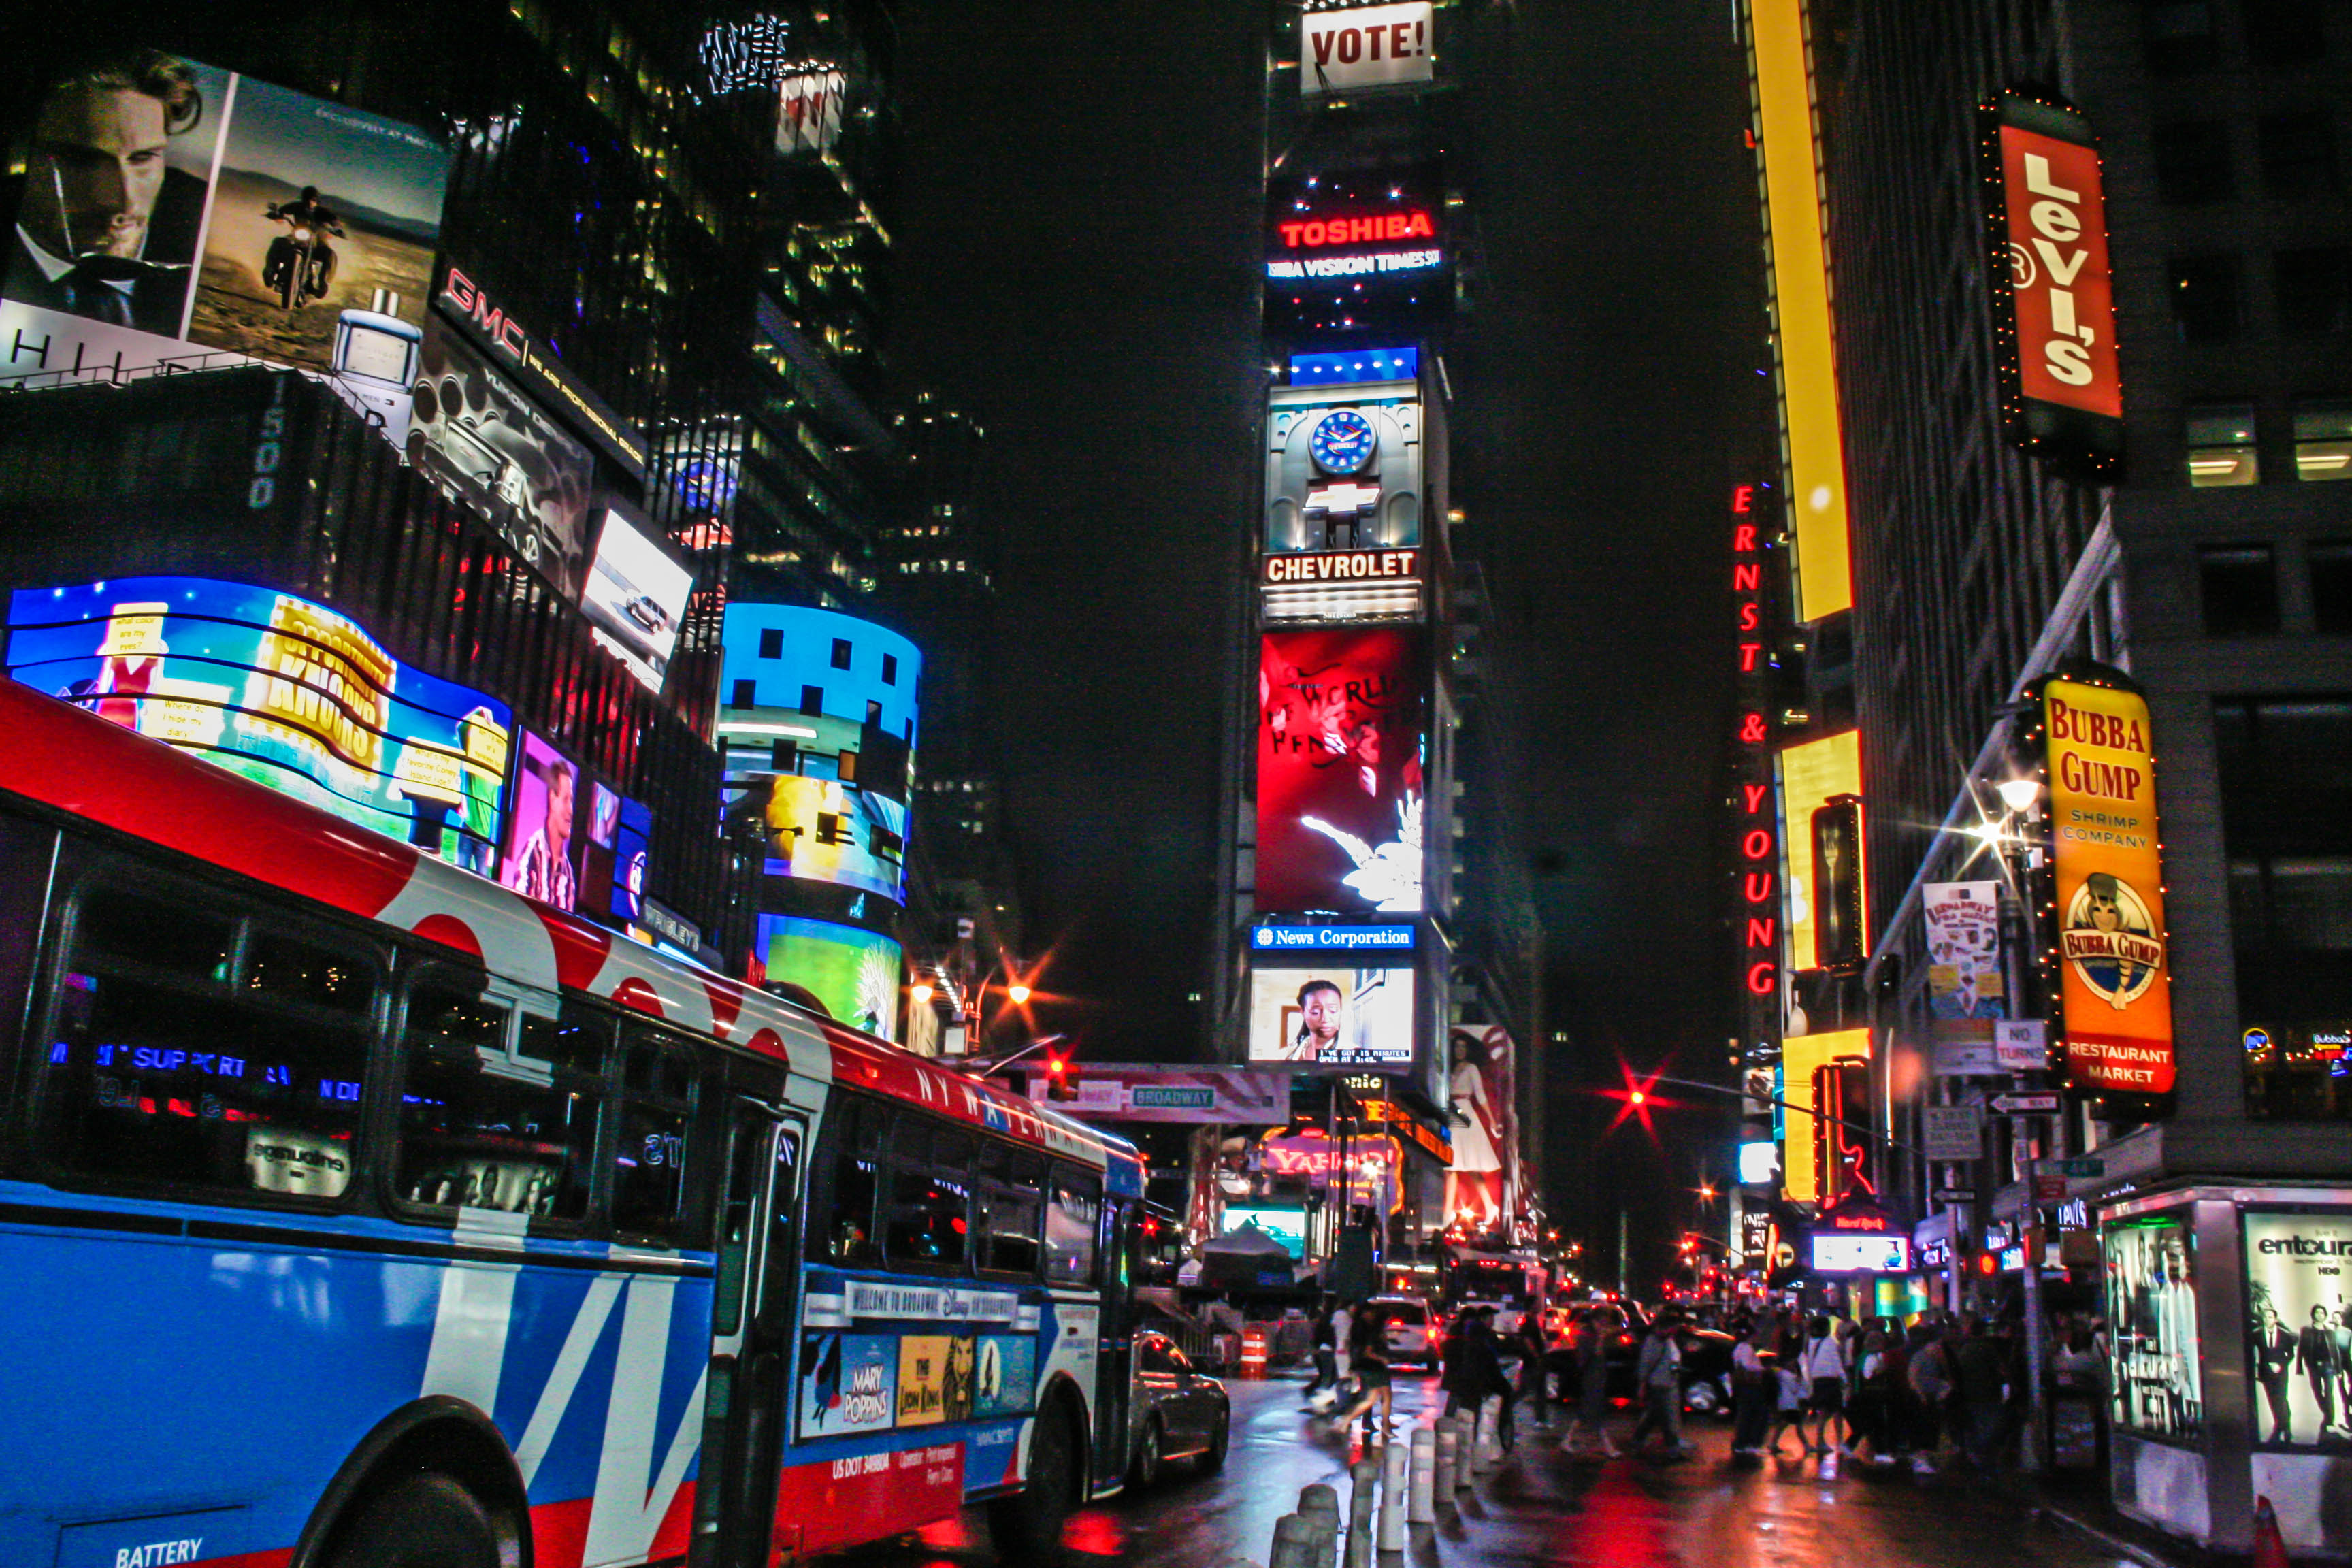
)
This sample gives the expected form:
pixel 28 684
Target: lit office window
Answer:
pixel 2220 442
pixel 2323 439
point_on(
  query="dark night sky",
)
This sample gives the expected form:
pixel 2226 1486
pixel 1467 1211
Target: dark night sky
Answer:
pixel 1080 213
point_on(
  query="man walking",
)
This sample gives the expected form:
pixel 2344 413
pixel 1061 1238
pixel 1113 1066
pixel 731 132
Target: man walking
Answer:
pixel 1327 1357
pixel 1983 1380
pixel 1658 1373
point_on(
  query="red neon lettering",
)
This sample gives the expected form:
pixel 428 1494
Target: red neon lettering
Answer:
pixel 1751 730
pixel 1759 931
pixel 1751 618
pixel 1756 845
pixel 1755 793
pixel 1290 233
pixel 1747 652
pixel 1758 887
pixel 1743 538
pixel 1743 498
pixel 1745 578
pixel 1759 978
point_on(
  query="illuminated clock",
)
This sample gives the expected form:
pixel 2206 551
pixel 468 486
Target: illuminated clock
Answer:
pixel 1341 442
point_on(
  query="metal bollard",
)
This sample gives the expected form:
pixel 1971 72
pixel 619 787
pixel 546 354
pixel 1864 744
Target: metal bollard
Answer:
pixel 1394 1462
pixel 1487 1452
pixel 1366 1475
pixel 1293 1543
pixel 1319 1505
pixel 1421 1507
pixel 1449 1454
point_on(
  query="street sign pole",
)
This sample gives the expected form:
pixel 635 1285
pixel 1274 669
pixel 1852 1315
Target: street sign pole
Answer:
pixel 2036 1337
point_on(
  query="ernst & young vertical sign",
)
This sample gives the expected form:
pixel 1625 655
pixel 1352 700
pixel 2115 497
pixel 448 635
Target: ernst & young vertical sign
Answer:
pixel 2115 993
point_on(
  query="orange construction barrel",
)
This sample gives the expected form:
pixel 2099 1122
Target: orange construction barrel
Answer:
pixel 1253 1341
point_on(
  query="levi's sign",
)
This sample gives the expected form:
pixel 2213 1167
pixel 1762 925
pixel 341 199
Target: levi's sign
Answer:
pixel 2059 368
pixel 1344 566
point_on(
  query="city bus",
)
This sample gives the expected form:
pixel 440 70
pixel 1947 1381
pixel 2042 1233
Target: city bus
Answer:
pixel 357 1213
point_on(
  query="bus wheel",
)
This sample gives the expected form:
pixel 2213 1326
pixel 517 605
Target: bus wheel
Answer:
pixel 422 1521
pixel 1027 1526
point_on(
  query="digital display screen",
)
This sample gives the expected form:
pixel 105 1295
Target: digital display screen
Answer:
pixel 2158 1386
pixel 1332 1016
pixel 1339 771
pixel 2297 1309
pixel 268 217
pixel 635 597
pixel 475 434
pixel 279 690
pixel 613 860
pixel 542 851
pixel 824 830
pixel 1353 252
pixel 1288 1226
pixel 854 973
pixel 1839 1254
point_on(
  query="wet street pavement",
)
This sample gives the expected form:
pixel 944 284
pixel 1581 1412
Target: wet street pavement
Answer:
pixel 1542 1510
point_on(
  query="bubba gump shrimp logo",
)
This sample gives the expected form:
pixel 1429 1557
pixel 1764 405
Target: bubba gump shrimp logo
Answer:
pixel 2109 940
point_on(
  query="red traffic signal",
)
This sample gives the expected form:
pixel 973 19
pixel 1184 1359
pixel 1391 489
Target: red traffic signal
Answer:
pixel 1058 1079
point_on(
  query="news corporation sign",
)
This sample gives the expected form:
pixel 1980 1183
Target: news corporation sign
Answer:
pixel 1332 939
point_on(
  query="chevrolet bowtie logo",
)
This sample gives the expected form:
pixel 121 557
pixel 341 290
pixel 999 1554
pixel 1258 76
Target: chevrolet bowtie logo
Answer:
pixel 1342 498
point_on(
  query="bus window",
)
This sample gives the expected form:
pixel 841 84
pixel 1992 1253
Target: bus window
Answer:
pixel 287 969
pixel 841 1206
pixel 1073 1213
pixel 1009 1197
pixel 162 1068
pixel 649 1162
pixel 481 1128
pixel 930 1194
pixel 157 935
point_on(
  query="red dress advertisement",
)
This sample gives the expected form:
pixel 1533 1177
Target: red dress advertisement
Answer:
pixel 1340 724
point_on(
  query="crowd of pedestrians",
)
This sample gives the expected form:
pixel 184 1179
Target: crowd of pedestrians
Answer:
pixel 1875 1391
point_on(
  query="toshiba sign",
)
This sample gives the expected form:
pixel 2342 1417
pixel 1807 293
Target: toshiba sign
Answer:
pixel 1361 47
pixel 2061 392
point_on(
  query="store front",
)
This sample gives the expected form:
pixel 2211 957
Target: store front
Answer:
pixel 2231 1311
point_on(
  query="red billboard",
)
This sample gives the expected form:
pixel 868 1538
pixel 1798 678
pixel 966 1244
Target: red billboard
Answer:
pixel 2051 231
pixel 1339 735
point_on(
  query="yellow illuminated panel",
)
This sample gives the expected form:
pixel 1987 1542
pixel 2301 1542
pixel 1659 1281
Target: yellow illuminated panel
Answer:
pixel 1811 775
pixel 1813 440
pixel 1799 1056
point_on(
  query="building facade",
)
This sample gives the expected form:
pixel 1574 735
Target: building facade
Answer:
pixel 2127 612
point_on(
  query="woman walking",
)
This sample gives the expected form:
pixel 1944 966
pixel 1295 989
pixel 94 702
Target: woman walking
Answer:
pixel 1825 1370
pixel 1591 1350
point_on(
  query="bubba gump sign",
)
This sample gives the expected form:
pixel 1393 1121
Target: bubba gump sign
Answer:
pixel 2114 989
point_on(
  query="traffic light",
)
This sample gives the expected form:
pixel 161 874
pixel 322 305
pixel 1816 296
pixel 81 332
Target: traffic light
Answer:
pixel 1988 1264
pixel 1059 1086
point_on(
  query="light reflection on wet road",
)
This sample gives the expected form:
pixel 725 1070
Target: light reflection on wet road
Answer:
pixel 1542 1510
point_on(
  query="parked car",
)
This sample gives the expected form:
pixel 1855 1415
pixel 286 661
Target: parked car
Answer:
pixel 1177 1413
pixel 1412 1331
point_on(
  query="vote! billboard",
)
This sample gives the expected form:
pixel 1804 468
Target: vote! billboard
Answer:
pixel 2061 393
pixel 2114 988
